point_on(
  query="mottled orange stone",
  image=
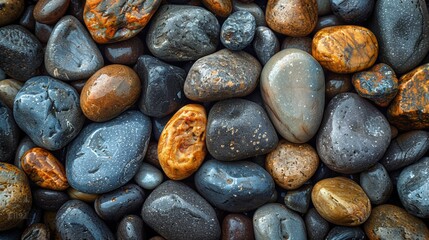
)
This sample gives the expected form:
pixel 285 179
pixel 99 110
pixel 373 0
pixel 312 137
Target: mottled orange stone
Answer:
pixel 182 144
pixel 109 92
pixel 341 201
pixel 410 108
pixel 295 18
pixel 117 20
pixel 221 8
pixel 345 49
pixel 44 169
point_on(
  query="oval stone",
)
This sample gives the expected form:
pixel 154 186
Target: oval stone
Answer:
pixel 124 52
pixel 238 30
pixel 345 49
pixel 148 176
pixel 130 228
pixel 10 11
pixel 49 200
pixel 237 227
pixel 265 44
pixel 317 227
pixel 9 134
pixel 49 12
pixel 353 135
pixel 377 184
pixel 234 186
pixel 107 155
pixel 293 89
pixel 8 90
pixel 221 8
pixel 176 211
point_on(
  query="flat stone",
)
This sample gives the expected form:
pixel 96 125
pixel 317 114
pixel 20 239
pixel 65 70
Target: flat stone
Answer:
pixel 238 30
pixel 377 184
pixel 9 134
pixel 265 44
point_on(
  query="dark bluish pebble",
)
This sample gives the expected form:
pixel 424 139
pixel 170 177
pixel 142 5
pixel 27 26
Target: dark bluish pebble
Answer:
pixel 162 86
pixel 299 200
pixel 158 125
pixel 352 11
pixel 71 54
pixel 130 228
pixel 342 233
pixel 182 33
pixel 24 145
pixel 238 30
pixel 175 211
pixel 237 227
pixel 9 134
pixel 2 74
pixel 49 200
pixel 43 32
pixel 317 227
pixel 302 43
pixel 107 155
pixel 37 231
pixel 377 184
pixel 21 52
pixel 124 52
pixel 34 216
pixel 27 19
pixel 234 186
pixel 148 176
pixel 48 111
pixel 265 44
pixel 253 8
pixel 239 129
pixel 77 220
pixel 115 205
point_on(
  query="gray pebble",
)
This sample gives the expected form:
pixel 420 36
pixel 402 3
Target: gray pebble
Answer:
pixel 9 134
pixel 253 8
pixel 238 30
pixel 377 184
pixel 265 44
pixel 317 226
pixel 148 176
pixel 299 200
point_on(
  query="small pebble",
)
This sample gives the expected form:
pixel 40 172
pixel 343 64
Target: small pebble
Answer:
pixel 148 177
pixel 341 233
pixel 130 228
pixel 317 227
pixel 299 200
pixel 49 200
pixel 49 12
pixel 124 52
pixel 253 8
pixel 377 184
pixel 265 44
pixel 238 30
pixel 237 227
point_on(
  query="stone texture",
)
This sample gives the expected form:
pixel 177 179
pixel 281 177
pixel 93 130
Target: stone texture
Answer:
pixel 336 84
pixel 8 90
pixel 265 44
pixel 86 197
pixel 124 52
pixel 148 176
pixel 10 11
pixel 299 200
pixel 24 145
pixel 253 8
pixel 302 43
pixel 237 227
pixel 317 227
pixel 340 233
pixel 37 231
pixel 49 200
pixel 130 228
pixel 9 134
pixel 238 30
pixel 353 11
pixel 377 184
pixel 220 8
pixel 49 12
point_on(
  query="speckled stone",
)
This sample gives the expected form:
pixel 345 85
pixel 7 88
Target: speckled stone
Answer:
pixel 130 228
pixel 238 30
pixel 275 221
pixel 77 220
pixel 302 43
pixel 405 149
pixel 253 8
pixel 21 52
pixel 8 90
pixel 174 209
pixel 148 177
pixel 182 33
pixel 413 188
pixel 220 8
pixel 237 227
pixel 162 86
pixel 377 184
pixel 265 44
pixel 221 75
pixel 48 111
pixel 317 227
pixel 37 231
pixel 10 11
pixel 341 233
pixel 9 134
pixel 402 30
pixel 234 186
pixel 49 200
pixel 299 200
pixel 353 135
pixel 49 12
pixel 293 89
pixel 337 83
pixel 125 52
pixel 353 11
pixel 107 155
pixel 70 53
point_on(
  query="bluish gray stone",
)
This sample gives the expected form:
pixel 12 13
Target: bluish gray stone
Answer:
pixel 352 11
pixel 9 134
pixel 317 227
pixel 148 176
pixel 265 44
pixel 341 233
pixel 376 183
pixel 238 30
pixel 252 8
pixel 2 74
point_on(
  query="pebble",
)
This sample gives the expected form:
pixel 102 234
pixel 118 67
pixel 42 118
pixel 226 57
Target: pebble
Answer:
pixel 76 8
pixel 341 201
pixel 48 111
pixel 107 155
pixel 253 8
pixel 2 74
pixel 234 186
pixel 410 108
pixel 77 220
pixel 337 83
pixel 109 92
pixel 341 233
pixel 353 11
pixel 377 184
pixel 10 11
pixel 37 231
pixel 379 84
pixel 299 200
pixel 301 43
pixel 265 44
pixel 293 89
pixel 402 29
pixel 49 12
pixel 116 204
pixel 49 200
pixel 317 227
pixel 70 53
pixel 158 125
pixel 334 49
pixel 295 18
pixel 353 135
pixel 323 7
pixel 24 145
pixel 237 227
pixel 392 222
pixel 15 201
pixel 413 188
pixel 148 177
pixel 111 21
pixel 86 197
pixel 152 155
pixel 275 221
pixel 238 30
pixel 291 164
pixel 182 144
pixel 44 169
pixel 182 33
pixel 222 8
pixel 21 52
pixel 43 32
pixel 162 86
pixel 9 134
pixel 125 52
pixel 327 21
pixel 239 129
pixel 27 19
pixel 130 228
pixel 221 75
pixel 174 209
pixel 406 149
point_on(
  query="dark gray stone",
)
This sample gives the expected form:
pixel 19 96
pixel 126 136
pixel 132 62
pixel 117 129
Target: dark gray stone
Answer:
pixel 49 200
pixel 327 21
pixel 182 33
pixel 9 134
pixel 265 44
pixel 48 111
pixel 130 228
pixel 317 227
pixel 402 31
pixel 21 53
pixel 162 86
pixel 234 186
pixel 413 188
pixel 342 233
pixel 323 7
pixel 107 155
pixel 148 176
pixel 71 54
pixel 299 200
pixel 238 30
pixel 175 211
pixel 353 135
pixel 2 74
pixel 377 184
pixel 158 125
pixel 239 129
pixel 77 220
pixel 352 11
pixel 24 145
pixel 301 43
pixel 252 8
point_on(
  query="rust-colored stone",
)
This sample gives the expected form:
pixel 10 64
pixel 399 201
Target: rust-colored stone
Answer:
pixel 341 201
pixel 116 20
pixel 291 165
pixel 295 18
pixel 410 108
pixel 345 49
pixel 221 8
pixel 182 144
pixel 44 169
pixel 109 92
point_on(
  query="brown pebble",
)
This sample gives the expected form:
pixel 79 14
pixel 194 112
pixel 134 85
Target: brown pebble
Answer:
pixel 152 154
pixel 221 8
pixel 49 220
pixel 237 227
pixel 337 83
pixel 125 52
pixel 8 90
pixel 37 231
pixel 10 10
pixel 86 197
pixel 50 11
pixel 394 132
pixel 291 164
